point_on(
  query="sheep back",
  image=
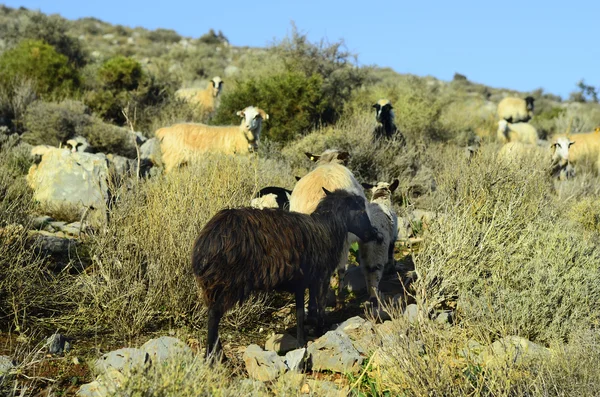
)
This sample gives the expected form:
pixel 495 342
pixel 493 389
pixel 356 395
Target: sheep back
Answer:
pixel 514 110
pixel 517 132
pixel 246 249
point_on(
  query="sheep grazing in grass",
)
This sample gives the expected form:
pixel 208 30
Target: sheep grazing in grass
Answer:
pixel 205 99
pixel 331 174
pixel 246 249
pixel 374 257
pixel 182 143
pixel 386 128
pixel 272 197
pixel 516 110
pixel 517 132
pixel 559 150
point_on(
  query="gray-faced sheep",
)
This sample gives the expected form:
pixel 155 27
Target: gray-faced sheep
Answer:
pixel 243 250
pixel 374 257
pixel 205 99
pixel 182 143
pixel 517 132
pixel 386 128
pixel 516 110
pixel 79 144
pixel 272 197
pixel 331 174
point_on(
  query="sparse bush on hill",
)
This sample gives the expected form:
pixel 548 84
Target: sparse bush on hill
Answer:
pixel 51 29
pixel 163 35
pixel 211 37
pixel 50 71
pixel 53 124
pixel 501 253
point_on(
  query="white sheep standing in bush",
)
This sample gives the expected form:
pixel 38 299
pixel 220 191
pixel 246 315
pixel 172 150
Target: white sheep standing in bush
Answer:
pixel 206 99
pixel 375 257
pixel 559 150
pixel 183 143
pixel 516 132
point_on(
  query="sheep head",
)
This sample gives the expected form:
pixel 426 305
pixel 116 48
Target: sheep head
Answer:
pixel 252 125
pixel 332 156
pixel 529 103
pixel 382 189
pixel 560 156
pixel 383 109
pixel 217 85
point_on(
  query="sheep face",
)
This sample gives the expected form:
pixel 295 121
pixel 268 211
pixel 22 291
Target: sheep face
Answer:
pixel 560 158
pixel 252 125
pixel 383 109
pixel 217 85
pixel 359 223
pixel 529 103
pixel 382 189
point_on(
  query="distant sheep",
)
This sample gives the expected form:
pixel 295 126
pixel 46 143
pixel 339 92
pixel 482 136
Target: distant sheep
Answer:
pixel 272 197
pixel 308 192
pixel 244 250
pixel 374 257
pixel 517 132
pixel 183 143
pixel 516 110
pixel 559 155
pixel 386 128
pixel 205 99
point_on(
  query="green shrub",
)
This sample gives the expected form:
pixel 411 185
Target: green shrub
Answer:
pixel 49 70
pixel 48 123
pixel 51 29
pixel 164 36
pixel 108 138
pixel 211 37
pixel 120 73
pixel 293 101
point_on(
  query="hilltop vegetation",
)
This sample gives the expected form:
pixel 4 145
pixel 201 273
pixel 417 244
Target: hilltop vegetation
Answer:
pixel 512 251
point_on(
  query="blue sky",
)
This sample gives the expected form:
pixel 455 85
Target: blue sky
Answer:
pixel 516 44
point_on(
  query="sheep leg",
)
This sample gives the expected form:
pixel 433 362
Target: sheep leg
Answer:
pixel 321 303
pixel 391 260
pixel 340 295
pixel 213 345
pixel 300 316
pixel 373 273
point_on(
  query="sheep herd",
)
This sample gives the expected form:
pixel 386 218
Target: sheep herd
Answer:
pixel 295 240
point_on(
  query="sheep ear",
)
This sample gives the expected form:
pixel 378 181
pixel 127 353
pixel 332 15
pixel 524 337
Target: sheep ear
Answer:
pixel 298 178
pixel 366 185
pixel 376 106
pixel 240 113
pixel 263 114
pixel 312 157
pixel 394 185
pixel 571 143
pixel 327 192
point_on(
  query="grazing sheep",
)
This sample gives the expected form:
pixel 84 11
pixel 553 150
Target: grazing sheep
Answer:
pixel 517 132
pixel 243 250
pixel 385 121
pixel 182 143
pixel 586 148
pixel 375 257
pixel 331 174
pixel 560 166
pixel 516 110
pixel 272 197
pixel 205 99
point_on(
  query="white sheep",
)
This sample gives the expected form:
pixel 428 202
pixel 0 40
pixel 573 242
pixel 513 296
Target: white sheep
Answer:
pixel 330 174
pixel 374 257
pixel 517 132
pixel 183 143
pixel 385 121
pixel 586 148
pixel 558 152
pixel 205 99
pixel 516 110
